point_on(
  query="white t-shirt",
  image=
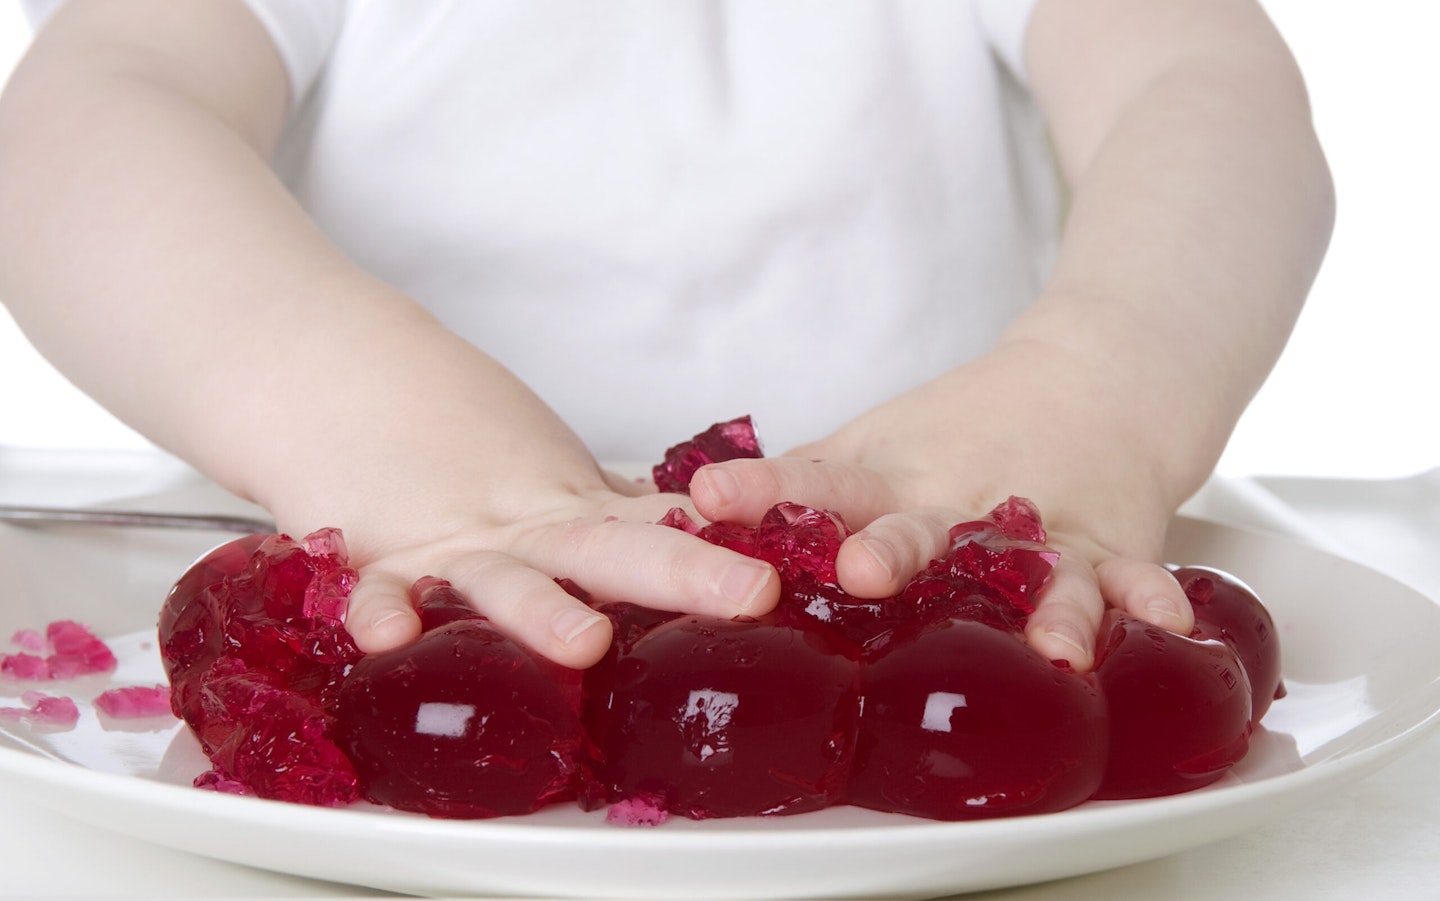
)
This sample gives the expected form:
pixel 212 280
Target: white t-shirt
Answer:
pixel 664 213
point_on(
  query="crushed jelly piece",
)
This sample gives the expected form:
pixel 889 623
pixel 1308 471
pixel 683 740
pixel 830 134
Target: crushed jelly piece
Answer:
pixel 1013 570
pixel 214 780
pixel 31 640
pixel 723 441
pixel 134 702
pixel 70 650
pixel 46 712
pixel 1019 519
pixel 645 809
pixel 800 542
pixel 255 655
pixel 677 518
pixel 278 743
pixel 24 667
pixel 327 594
pixel 76 652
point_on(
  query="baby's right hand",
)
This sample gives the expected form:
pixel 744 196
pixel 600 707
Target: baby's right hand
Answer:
pixel 601 537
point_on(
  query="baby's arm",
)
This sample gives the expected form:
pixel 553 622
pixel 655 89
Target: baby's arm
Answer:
pixel 149 251
pixel 1201 208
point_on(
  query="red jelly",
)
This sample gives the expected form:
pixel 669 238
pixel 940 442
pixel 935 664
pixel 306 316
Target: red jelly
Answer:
pixel 275 741
pixel 720 718
pixel 1179 708
pixel 963 721
pixel 255 655
pixel 927 703
pixel 723 441
pixel 464 723
pixel 1226 604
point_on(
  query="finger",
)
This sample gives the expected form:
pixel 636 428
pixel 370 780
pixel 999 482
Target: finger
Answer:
pixel 742 490
pixel 880 559
pixel 529 607
pixel 1067 615
pixel 1148 591
pixel 654 566
pixel 379 614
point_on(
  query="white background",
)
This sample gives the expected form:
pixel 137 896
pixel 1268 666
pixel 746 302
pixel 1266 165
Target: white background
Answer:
pixel 1355 393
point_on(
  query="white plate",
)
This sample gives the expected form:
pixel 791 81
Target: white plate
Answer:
pixel 1359 661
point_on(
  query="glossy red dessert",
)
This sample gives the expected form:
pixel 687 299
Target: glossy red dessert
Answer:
pixel 461 724
pixel 962 720
pixel 1228 605
pixel 1179 708
pixel 928 703
pixel 718 718
pixel 255 655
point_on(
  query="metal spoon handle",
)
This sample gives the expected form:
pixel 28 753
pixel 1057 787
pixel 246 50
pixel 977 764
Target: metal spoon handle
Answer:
pixel 135 518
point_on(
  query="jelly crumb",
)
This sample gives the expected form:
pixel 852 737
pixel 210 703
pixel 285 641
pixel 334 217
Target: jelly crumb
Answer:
pixel 640 810
pixel 134 702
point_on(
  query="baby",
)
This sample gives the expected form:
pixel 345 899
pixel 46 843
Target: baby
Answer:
pixel 409 269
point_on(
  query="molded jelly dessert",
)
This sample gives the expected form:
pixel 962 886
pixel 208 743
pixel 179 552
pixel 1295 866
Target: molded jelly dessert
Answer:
pixel 461 724
pixel 962 720
pixel 1179 707
pixel 1227 604
pixel 927 703
pixel 723 718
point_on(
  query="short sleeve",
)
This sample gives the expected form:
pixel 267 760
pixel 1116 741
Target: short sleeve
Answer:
pixel 37 11
pixel 1003 23
pixel 303 32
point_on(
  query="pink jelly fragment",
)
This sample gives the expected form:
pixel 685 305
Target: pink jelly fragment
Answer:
pixel 134 702
pixel 29 640
pixel 327 596
pixel 1019 518
pixel 641 810
pixel 24 667
pixel 46 711
pixel 77 652
pixel 723 441
pixel 70 650
pixel 214 780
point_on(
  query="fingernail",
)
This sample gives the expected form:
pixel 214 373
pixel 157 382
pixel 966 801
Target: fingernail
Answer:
pixel 572 622
pixel 1162 610
pixel 722 484
pixel 1071 636
pixel 881 552
pixel 741 583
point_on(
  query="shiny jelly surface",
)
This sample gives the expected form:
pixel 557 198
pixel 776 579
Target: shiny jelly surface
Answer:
pixel 1223 602
pixel 926 703
pixel 1179 708
pixel 962 721
pixel 719 718
pixel 461 724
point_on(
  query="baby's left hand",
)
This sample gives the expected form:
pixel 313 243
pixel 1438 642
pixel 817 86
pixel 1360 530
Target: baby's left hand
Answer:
pixel 897 536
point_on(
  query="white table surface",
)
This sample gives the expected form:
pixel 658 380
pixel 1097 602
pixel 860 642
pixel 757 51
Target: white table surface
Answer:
pixel 1377 838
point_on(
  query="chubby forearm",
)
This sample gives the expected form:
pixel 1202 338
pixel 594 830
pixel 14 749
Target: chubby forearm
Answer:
pixel 151 253
pixel 1201 209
